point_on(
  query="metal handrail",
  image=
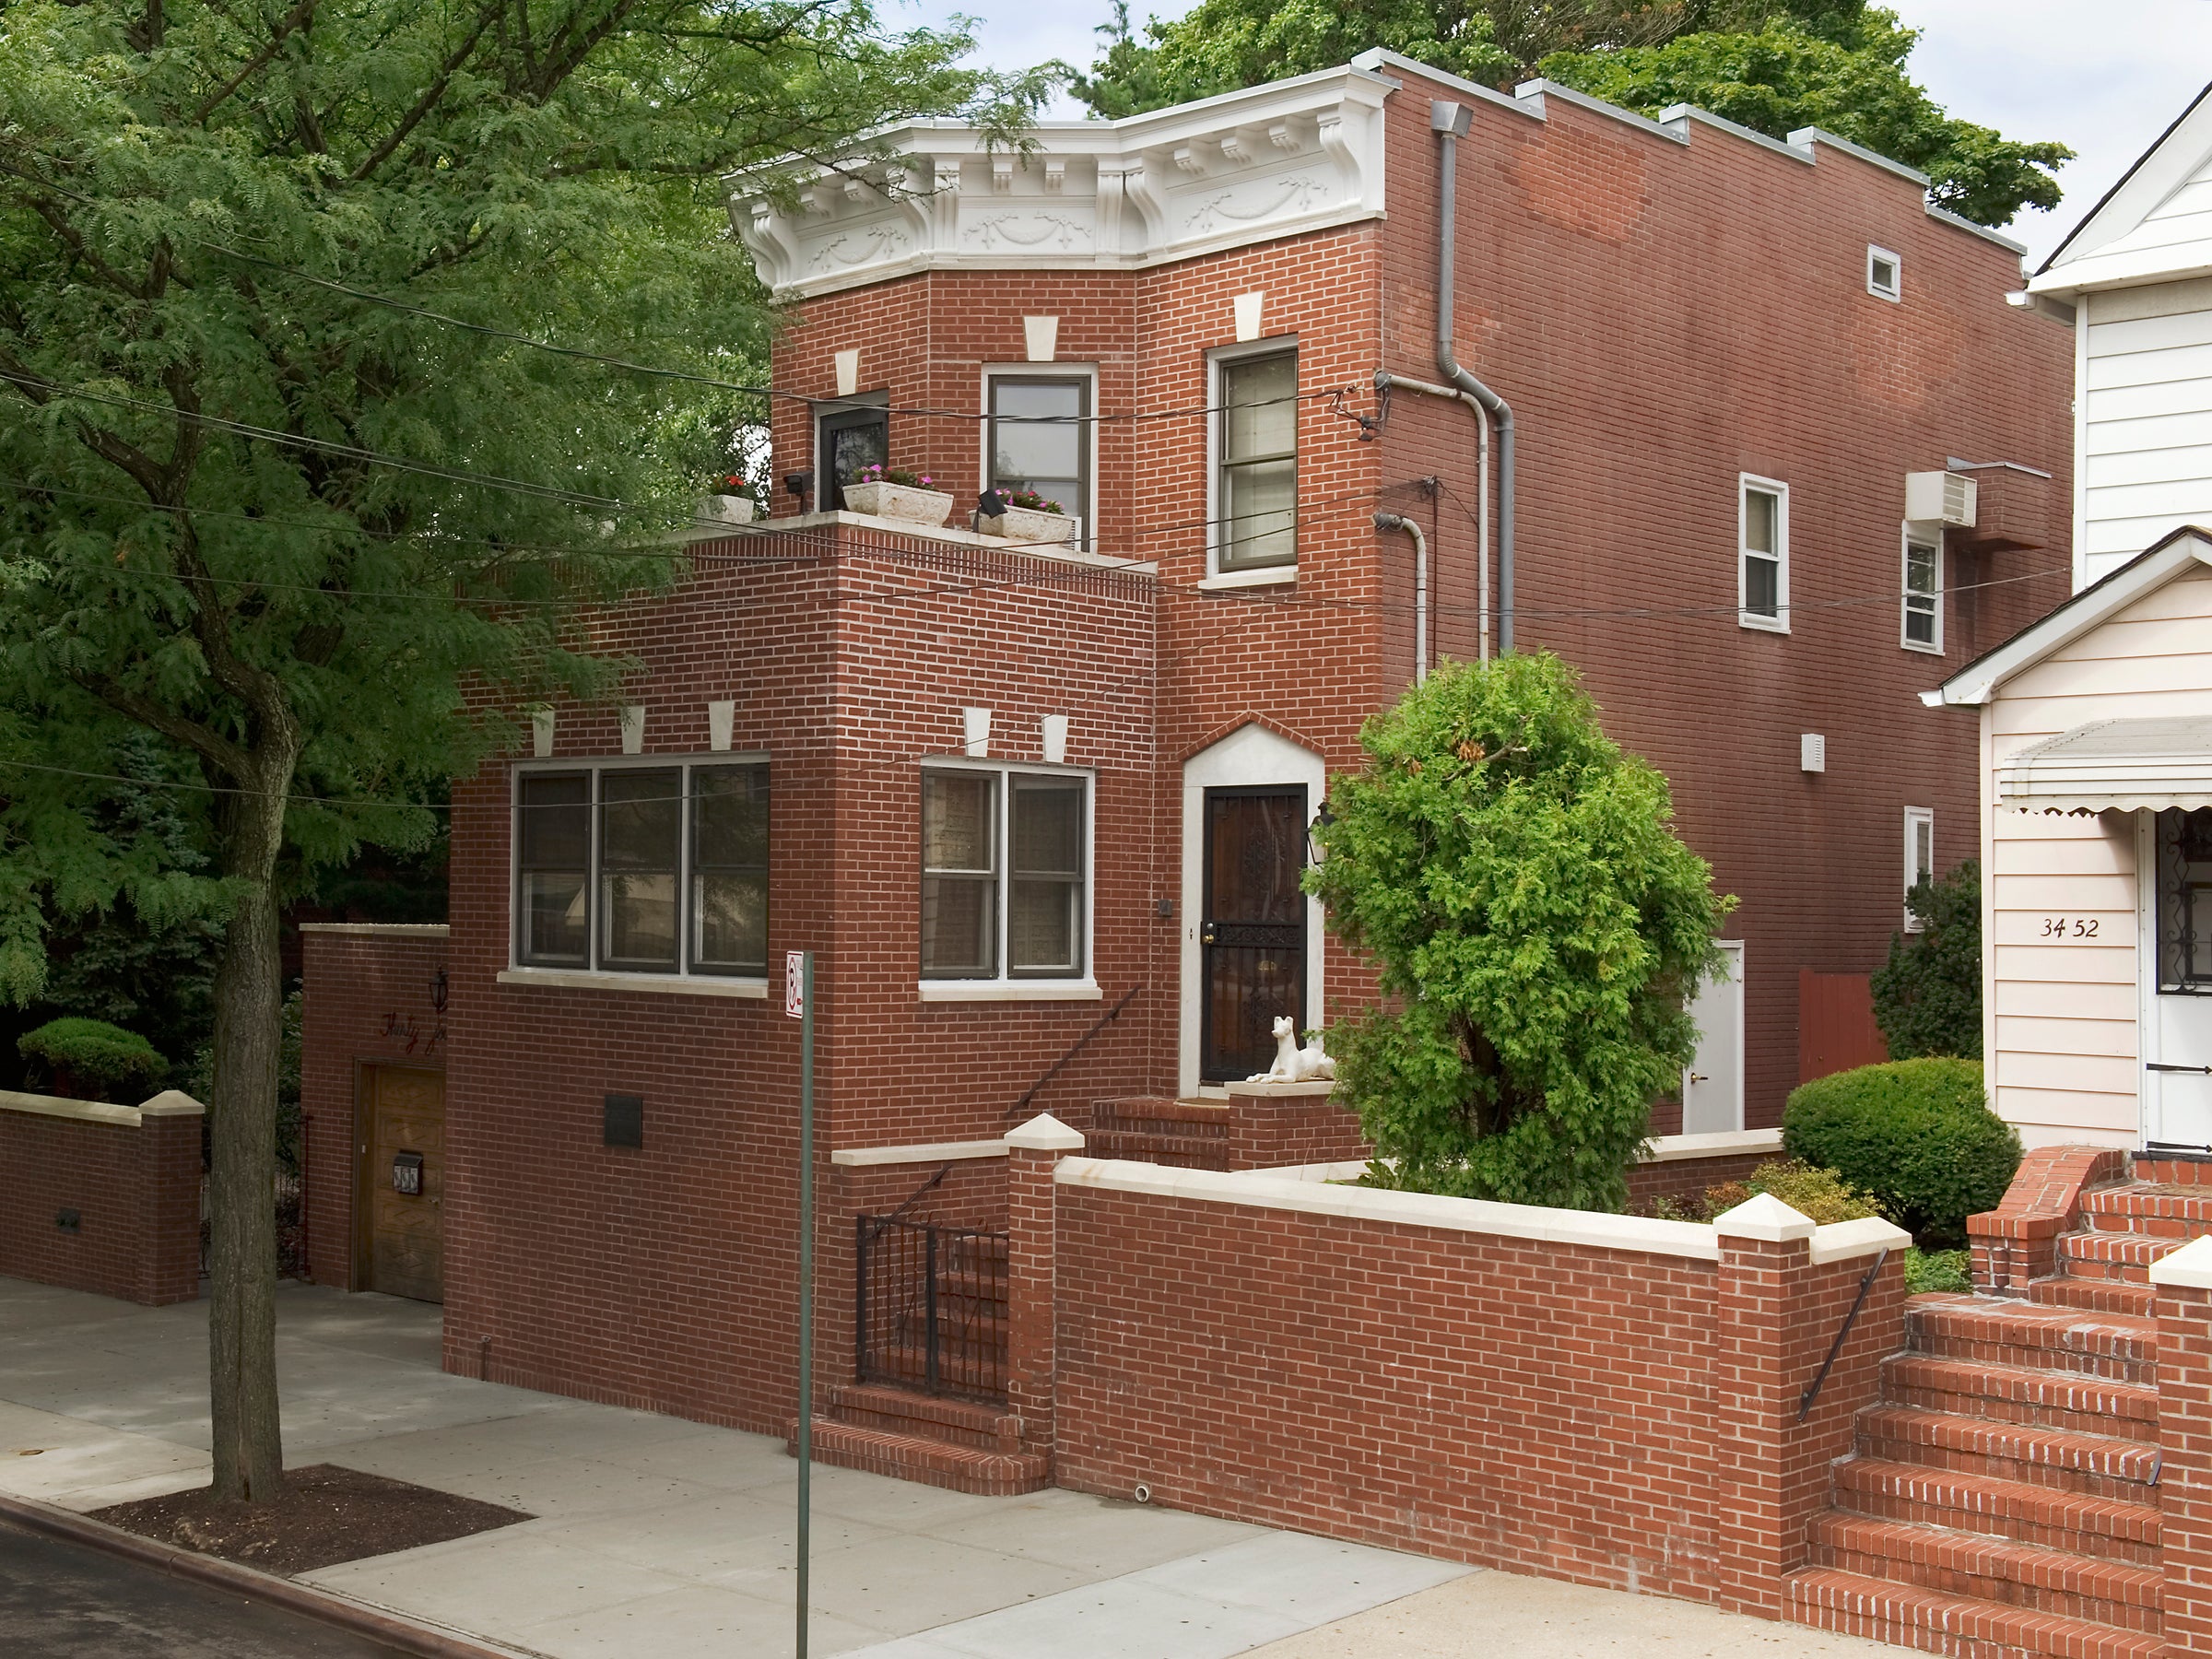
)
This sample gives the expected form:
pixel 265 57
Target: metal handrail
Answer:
pixel 1804 1408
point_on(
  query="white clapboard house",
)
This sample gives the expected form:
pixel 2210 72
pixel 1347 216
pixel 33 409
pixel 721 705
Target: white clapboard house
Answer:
pixel 2097 721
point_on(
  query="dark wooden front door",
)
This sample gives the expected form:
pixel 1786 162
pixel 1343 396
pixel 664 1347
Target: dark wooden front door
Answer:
pixel 402 1181
pixel 1253 942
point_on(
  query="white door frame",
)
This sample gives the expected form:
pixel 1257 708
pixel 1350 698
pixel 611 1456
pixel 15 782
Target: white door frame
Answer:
pixel 2147 974
pixel 1249 756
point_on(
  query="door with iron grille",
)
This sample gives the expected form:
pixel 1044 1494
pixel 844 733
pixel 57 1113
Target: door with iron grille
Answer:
pixel 2177 1046
pixel 1253 937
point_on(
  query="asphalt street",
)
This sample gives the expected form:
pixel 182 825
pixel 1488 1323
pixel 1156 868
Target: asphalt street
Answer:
pixel 60 1600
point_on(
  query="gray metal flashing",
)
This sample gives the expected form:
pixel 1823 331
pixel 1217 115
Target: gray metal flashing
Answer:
pixel 1809 136
pixel 1375 58
pixel 1681 115
pixel 1538 92
pixel 1984 232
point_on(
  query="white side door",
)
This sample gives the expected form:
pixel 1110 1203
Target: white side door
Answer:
pixel 1712 1088
pixel 2177 1014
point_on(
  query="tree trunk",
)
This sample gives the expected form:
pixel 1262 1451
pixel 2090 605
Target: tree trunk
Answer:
pixel 241 1326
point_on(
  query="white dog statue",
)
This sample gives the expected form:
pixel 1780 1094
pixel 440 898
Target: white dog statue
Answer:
pixel 1293 1064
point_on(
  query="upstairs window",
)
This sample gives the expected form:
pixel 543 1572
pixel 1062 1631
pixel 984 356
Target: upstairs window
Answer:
pixel 643 869
pixel 1005 873
pixel 1922 622
pixel 1920 854
pixel 1256 445
pixel 1763 554
pixel 849 435
pixel 1040 439
pixel 1885 274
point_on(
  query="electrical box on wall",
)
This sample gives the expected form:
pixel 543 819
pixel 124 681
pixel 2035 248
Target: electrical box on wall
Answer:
pixel 1812 752
pixel 1941 498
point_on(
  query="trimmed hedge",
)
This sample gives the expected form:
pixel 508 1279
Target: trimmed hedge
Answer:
pixel 1917 1134
pixel 91 1059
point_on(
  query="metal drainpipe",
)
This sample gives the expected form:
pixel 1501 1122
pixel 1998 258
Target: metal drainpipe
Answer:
pixel 1450 121
pixel 1391 521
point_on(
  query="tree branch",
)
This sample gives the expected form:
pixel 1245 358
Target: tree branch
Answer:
pixel 428 100
pixel 291 20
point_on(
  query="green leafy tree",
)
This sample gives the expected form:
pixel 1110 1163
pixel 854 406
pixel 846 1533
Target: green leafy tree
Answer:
pixel 264 504
pixel 1537 927
pixel 1771 64
pixel 1927 997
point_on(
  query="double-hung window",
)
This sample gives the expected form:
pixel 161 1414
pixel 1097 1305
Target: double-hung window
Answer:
pixel 1762 598
pixel 1040 439
pixel 1920 854
pixel 1255 462
pixel 1922 624
pixel 643 869
pixel 1006 856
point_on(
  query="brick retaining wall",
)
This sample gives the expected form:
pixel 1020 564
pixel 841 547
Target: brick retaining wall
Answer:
pixel 102 1198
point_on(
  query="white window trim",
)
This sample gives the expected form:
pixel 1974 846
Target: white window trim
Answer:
pixel 1914 817
pixel 1003 987
pixel 1926 536
pixel 679 979
pixel 1745 617
pixel 1089 540
pixel 1895 293
pixel 1216 578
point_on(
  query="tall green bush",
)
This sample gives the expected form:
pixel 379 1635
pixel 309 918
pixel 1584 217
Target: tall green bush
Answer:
pixel 1917 1134
pixel 1536 925
pixel 1927 997
pixel 93 1060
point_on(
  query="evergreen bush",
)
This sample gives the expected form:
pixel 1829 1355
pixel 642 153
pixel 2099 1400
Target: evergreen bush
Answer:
pixel 1917 1134
pixel 89 1059
pixel 1927 997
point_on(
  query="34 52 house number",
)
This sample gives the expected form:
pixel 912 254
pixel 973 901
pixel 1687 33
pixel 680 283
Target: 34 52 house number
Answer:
pixel 2069 927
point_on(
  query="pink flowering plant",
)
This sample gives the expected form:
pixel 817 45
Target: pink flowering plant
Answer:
pixel 1029 501
pixel 876 472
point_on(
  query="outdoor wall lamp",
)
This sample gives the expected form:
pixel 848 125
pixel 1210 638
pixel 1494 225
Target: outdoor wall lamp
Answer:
pixel 799 484
pixel 1322 820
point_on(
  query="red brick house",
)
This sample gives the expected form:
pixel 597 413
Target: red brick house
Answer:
pixel 1039 810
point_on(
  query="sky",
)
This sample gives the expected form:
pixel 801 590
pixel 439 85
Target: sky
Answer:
pixel 2102 76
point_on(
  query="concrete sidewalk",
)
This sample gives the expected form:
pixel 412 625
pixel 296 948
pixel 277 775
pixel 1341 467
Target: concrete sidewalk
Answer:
pixel 656 1535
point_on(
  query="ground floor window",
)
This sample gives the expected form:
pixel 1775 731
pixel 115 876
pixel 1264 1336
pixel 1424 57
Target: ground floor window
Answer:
pixel 2185 841
pixel 1005 873
pixel 656 868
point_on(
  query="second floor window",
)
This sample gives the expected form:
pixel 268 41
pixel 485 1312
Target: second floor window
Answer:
pixel 1922 623
pixel 643 869
pixel 1041 439
pixel 1005 857
pixel 1256 486
pixel 1763 554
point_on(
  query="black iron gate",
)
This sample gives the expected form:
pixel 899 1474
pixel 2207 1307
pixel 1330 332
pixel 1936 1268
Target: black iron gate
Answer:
pixel 930 1306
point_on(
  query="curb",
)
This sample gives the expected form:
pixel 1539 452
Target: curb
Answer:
pixel 323 1606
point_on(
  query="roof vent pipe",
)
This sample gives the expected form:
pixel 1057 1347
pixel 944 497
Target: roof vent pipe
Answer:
pixel 1450 121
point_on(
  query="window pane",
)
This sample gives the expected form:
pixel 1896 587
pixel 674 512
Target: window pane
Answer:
pixel 729 922
pixel 1923 849
pixel 959 821
pixel 1046 456
pixel 959 926
pixel 1259 510
pixel 1761 521
pixel 556 822
pixel 1048 828
pixel 640 920
pixel 640 820
pixel 1762 587
pixel 1044 925
pixel 729 818
pixel 1259 398
pixel 1919 568
pixel 553 918
pixel 1920 621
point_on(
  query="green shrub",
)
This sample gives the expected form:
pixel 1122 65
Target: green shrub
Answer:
pixel 1819 1194
pixel 90 1059
pixel 1917 1134
pixel 1928 1270
pixel 1927 997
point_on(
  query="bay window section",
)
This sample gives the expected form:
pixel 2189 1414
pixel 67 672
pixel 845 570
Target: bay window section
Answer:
pixel 1004 873
pixel 643 869
pixel 1256 486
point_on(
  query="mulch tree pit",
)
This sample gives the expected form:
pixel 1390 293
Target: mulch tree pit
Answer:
pixel 324 1515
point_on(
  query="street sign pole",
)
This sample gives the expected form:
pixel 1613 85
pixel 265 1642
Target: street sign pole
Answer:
pixel 798 970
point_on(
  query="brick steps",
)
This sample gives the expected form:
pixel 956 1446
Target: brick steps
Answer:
pixel 1996 1331
pixel 1960 1627
pixel 899 1411
pixel 2095 1295
pixel 2100 1465
pixel 2125 1256
pixel 1994 1569
pixel 929 1461
pixel 2010 1394
pixel 2106 1528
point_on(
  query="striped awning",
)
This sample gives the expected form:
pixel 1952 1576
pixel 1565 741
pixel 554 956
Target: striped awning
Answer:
pixel 2114 766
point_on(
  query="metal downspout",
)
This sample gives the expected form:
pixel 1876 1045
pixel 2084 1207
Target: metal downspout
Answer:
pixel 1451 122
pixel 1391 521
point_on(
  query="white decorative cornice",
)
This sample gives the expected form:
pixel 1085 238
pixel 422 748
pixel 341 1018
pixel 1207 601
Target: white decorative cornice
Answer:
pixel 1247 167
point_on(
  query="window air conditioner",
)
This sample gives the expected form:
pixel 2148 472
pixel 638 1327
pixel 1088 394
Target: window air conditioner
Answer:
pixel 1940 497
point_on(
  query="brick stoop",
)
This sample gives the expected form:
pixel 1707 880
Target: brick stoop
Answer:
pixel 1959 1626
pixel 928 1461
pixel 1191 1135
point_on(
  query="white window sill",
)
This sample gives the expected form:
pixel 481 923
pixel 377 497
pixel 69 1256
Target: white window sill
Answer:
pixel 1005 991
pixel 1758 624
pixel 1269 576
pixel 1934 651
pixel 671 984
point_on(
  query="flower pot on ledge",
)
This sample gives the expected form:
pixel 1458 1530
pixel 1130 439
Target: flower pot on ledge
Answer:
pixel 726 510
pixel 901 501
pixel 1027 524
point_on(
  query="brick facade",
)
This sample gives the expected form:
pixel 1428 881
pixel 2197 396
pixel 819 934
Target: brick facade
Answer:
pixel 102 1198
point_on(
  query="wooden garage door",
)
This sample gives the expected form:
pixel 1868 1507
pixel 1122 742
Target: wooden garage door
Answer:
pixel 403 1121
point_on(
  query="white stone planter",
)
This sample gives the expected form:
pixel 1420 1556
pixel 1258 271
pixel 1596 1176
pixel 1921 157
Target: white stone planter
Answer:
pixel 900 502
pixel 1027 524
pixel 726 510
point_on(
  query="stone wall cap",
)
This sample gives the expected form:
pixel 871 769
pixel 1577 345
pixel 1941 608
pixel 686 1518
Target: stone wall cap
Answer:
pixel 1840 1241
pixel 382 930
pixel 1728 1143
pixel 171 1103
pixel 925 1152
pixel 1275 1091
pixel 2188 1268
pixel 1045 1133
pixel 1764 1216
pixel 84 1112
